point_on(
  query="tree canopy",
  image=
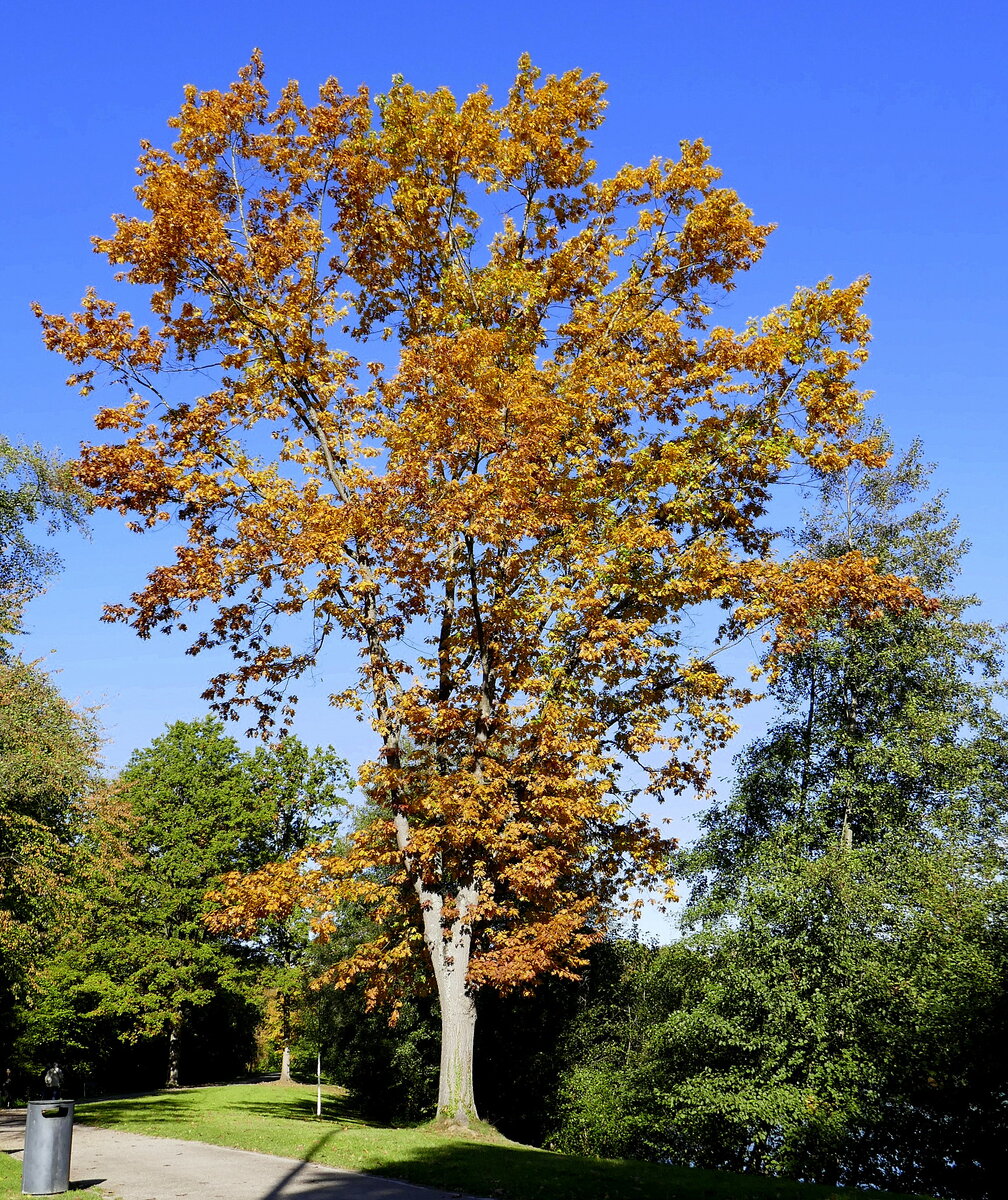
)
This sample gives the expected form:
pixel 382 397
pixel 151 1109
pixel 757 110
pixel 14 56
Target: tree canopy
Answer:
pixel 416 377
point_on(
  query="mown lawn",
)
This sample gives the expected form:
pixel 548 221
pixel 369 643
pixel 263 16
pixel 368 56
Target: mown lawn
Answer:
pixel 281 1120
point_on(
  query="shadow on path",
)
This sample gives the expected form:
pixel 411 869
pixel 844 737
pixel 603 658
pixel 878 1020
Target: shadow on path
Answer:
pixel 280 1188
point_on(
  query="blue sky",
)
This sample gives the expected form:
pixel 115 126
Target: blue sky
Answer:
pixel 873 134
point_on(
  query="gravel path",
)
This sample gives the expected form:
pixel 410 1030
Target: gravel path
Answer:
pixel 132 1166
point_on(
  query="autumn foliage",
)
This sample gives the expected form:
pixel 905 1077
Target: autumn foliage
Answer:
pixel 416 379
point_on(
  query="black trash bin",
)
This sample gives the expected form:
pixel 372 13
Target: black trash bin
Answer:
pixel 48 1133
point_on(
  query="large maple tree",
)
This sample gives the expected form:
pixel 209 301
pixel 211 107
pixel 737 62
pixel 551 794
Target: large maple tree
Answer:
pixel 417 379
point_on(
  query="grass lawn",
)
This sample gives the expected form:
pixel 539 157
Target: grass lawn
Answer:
pixel 279 1119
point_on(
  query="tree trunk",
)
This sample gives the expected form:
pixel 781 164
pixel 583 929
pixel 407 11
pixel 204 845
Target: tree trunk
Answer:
pixel 173 1052
pixel 449 950
pixel 449 944
pixel 456 1102
pixel 285 1076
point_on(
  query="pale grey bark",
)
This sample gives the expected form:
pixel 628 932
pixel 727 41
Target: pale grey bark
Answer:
pixel 285 1076
pixel 456 1102
pixel 449 944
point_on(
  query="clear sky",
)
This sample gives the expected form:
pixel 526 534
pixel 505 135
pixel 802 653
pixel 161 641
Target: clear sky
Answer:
pixel 872 133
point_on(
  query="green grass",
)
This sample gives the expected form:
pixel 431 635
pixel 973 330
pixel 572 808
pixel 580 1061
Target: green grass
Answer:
pixel 10 1182
pixel 281 1120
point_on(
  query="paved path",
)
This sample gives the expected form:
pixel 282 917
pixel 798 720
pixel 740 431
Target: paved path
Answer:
pixel 134 1167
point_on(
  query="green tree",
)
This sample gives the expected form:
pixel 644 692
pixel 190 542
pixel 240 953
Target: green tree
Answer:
pixel 602 1104
pixel 890 727
pixel 186 809
pixel 303 791
pixel 47 748
pixel 180 815
pixel 47 765
pixel 848 898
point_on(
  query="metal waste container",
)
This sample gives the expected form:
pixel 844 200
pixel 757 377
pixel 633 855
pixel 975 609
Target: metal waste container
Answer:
pixel 48 1133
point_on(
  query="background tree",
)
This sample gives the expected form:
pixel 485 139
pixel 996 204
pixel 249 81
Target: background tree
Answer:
pixel 48 764
pixel 599 1103
pixel 303 790
pixel 830 1016
pixel 509 521
pixel 186 809
pixel 389 1070
pixel 48 749
pixel 890 729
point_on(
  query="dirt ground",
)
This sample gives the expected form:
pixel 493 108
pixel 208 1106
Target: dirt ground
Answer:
pixel 131 1166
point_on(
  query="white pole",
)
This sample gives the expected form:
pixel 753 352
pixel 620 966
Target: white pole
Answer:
pixel 318 1076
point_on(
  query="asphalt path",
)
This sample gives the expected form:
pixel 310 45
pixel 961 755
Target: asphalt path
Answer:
pixel 132 1166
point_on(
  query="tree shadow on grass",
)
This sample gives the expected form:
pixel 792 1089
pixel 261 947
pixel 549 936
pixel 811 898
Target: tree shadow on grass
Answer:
pixel 313 1180
pixel 513 1172
pixel 186 1104
pixel 157 1110
pixel 298 1108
